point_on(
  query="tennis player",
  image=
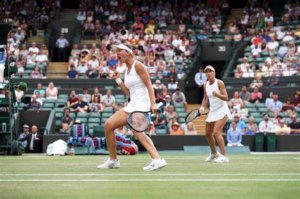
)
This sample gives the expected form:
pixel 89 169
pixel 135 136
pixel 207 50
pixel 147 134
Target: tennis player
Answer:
pixel 215 92
pixel 138 87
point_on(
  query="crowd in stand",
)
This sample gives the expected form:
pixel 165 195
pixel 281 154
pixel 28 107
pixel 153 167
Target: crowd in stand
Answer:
pixel 164 53
pixel 26 18
pixel 274 51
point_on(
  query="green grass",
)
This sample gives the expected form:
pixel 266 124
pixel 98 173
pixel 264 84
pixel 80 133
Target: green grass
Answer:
pixel 186 176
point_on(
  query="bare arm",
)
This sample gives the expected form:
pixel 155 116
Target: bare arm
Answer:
pixel 223 95
pixel 142 72
pixel 205 98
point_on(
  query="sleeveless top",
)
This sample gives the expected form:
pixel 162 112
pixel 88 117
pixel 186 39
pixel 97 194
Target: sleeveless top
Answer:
pixel 139 96
pixel 214 102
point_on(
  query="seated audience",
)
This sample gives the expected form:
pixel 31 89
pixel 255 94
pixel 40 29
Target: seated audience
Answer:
pixel 234 136
pixel 252 128
pixel 175 129
pixel 266 126
pixel 282 128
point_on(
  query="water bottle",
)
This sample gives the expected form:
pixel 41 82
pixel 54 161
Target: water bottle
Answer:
pixel 3 127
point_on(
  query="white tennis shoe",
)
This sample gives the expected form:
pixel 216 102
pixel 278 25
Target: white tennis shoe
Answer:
pixel 109 164
pixel 221 159
pixel 212 157
pixel 155 164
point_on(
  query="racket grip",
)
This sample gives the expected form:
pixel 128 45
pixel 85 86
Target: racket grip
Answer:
pixel 159 104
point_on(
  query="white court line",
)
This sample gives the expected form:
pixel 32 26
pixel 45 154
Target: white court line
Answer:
pixel 150 174
pixel 150 180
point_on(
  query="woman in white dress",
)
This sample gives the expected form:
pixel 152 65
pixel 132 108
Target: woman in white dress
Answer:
pixel 138 87
pixel 216 94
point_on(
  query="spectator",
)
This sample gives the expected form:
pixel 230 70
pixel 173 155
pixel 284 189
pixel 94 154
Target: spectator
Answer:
pixel 172 84
pixel 108 100
pixel 256 96
pixel 34 141
pixel 235 102
pixel 175 129
pixel 72 99
pixel 159 120
pixel 86 96
pixel 234 136
pixel 269 101
pixel 178 98
pixel 96 94
pixel 276 105
pixel 23 135
pixel 82 68
pixel 158 86
pixel 288 106
pixel 51 91
pixel 294 125
pixel 282 129
pixel 39 98
pixel 34 104
pixel 36 73
pixel 167 102
pixel 67 118
pixel 257 82
pixel 65 130
pixel 245 94
pixel 151 129
pixel 39 88
pixel 72 73
pixel 80 106
pixel 171 116
pixel 242 112
pixel 252 128
pixel 75 52
pixel 200 79
pixel 239 123
pixel 34 49
pixel 41 60
pixel 266 126
pixel 95 105
pixel 190 129
pixel 62 45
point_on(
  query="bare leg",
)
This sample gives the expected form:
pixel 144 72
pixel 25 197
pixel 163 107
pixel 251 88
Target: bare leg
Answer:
pixel 148 144
pixel 115 121
pixel 218 128
pixel 209 136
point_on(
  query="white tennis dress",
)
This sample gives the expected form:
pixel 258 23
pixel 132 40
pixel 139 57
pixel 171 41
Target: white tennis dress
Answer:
pixel 139 96
pixel 218 108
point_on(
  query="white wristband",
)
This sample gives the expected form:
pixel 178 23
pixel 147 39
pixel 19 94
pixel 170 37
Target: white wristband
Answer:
pixel 118 81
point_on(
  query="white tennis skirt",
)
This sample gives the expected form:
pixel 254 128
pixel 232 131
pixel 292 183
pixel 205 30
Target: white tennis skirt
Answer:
pixel 218 114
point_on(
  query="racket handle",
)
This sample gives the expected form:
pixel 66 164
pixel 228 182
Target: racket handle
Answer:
pixel 159 104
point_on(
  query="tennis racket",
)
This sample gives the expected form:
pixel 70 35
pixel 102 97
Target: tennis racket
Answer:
pixel 193 114
pixel 139 121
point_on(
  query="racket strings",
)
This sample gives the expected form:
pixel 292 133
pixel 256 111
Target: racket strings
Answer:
pixel 138 121
pixel 192 115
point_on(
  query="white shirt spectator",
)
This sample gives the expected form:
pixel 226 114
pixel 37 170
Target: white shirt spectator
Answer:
pixel 41 58
pixel 35 50
pixel 159 37
pixel 81 69
pixel 62 43
pixel 266 127
pixel 94 63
